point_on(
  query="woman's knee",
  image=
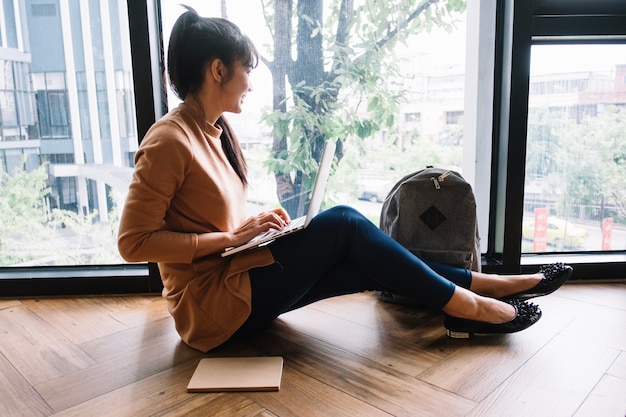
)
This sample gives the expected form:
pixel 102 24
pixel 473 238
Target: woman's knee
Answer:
pixel 341 218
pixel 342 211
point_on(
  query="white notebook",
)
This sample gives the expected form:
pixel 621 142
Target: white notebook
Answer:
pixel 237 374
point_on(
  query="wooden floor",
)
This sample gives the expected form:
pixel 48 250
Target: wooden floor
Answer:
pixel 350 356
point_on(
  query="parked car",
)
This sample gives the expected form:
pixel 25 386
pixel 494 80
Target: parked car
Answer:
pixel 374 185
pixel 561 232
pixel 373 196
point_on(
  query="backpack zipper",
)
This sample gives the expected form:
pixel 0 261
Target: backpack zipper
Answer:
pixel 441 178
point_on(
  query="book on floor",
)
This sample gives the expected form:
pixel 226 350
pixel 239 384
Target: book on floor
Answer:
pixel 237 374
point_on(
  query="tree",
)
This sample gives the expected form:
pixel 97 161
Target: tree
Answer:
pixel 583 164
pixel 598 177
pixel 33 234
pixel 341 78
pixel 22 212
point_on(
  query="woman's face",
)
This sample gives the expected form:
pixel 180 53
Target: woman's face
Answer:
pixel 236 87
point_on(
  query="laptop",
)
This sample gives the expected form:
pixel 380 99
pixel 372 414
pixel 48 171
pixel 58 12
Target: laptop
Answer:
pixel 300 223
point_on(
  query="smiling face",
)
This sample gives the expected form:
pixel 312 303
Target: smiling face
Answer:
pixel 235 87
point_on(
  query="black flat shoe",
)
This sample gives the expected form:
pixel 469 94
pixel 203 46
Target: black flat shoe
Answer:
pixel 554 276
pixel 526 314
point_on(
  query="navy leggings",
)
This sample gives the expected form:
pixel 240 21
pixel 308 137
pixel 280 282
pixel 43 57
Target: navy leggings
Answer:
pixel 342 252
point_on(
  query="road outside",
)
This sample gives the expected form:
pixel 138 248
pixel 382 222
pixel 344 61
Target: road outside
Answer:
pixel 593 242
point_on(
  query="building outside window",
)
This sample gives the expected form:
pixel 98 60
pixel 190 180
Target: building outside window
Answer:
pixel 68 125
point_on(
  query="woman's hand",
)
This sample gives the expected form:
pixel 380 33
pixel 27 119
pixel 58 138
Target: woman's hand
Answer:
pixel 217 241
pixel 274 219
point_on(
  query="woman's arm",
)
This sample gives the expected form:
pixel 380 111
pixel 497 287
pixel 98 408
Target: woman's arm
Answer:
pixel 161 164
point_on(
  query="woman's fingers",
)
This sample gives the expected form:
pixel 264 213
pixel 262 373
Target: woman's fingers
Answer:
pixel 263 222
pixel 283 214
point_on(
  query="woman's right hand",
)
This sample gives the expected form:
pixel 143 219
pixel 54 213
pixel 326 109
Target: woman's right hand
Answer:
pixel 275 219
pixel 214 242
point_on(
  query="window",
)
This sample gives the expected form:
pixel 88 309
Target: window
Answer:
pixel 10 27
pixel 405 101
pixel 562 109
pixel 52 108
pixel 454 117
pixel 68 73
pixel 574 150
pixel 412 117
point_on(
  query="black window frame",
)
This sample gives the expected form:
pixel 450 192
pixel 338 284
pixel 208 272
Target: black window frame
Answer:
pixel 521 24
pixel 107 279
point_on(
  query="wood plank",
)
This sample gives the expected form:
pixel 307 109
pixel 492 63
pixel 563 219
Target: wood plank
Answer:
pixel 398 321
pixel 618 368
pixel 592 322
pixel 220 405
pixel 38 351
pixel 483 363
pixel 119 344
pixel 385 387
pixel 416 347
pixel 137 359
pixel 598 294
pixel 155 309
pixel 18 395
pixel 167 391
pixel 607 399
pixel 554 382
pixel 314 399
pixel 145 396
pixel 78 319
pixel 6 303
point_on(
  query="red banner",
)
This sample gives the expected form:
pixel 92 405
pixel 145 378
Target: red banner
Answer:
pixel 607 231
pixel 540 241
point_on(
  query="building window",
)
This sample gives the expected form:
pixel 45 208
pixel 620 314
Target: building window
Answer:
pixel 52 108
pixel 412 117
pixel 454 117
pixel 44 10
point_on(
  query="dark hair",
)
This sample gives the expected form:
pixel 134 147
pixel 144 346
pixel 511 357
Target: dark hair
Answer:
pixel 194 43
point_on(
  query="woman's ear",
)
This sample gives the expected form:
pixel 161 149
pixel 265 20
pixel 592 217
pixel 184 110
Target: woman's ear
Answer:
pixel 218 70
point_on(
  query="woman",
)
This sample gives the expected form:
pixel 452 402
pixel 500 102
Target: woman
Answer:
pixel 186 203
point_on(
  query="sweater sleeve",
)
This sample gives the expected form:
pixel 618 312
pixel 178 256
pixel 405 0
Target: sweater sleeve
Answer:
pixel 161 164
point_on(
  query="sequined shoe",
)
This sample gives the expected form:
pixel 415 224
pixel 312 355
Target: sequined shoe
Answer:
pixel 526 314
pixel 554 275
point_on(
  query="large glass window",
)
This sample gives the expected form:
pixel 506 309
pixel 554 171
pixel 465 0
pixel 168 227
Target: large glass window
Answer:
pixel 404 84
pixel 559 183
pixel 65 77
pixel 574 194
pixel 387 91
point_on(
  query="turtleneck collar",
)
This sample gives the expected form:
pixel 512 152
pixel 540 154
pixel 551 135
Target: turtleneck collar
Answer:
pixel 193 107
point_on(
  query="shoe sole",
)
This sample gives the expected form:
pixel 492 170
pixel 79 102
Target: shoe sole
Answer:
pixel 458 335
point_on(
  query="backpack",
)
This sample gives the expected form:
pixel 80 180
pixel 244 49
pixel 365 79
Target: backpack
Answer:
pixel 432 213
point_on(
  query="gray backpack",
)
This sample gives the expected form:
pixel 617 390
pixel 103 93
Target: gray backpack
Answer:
pixel 432 212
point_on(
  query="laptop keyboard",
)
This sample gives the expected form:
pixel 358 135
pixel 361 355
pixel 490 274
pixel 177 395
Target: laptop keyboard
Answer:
pixel 273 232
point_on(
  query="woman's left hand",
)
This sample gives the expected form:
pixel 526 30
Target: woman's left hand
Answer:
pixel 283 214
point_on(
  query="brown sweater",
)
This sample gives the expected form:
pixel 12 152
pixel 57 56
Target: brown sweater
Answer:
pixel 183 185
